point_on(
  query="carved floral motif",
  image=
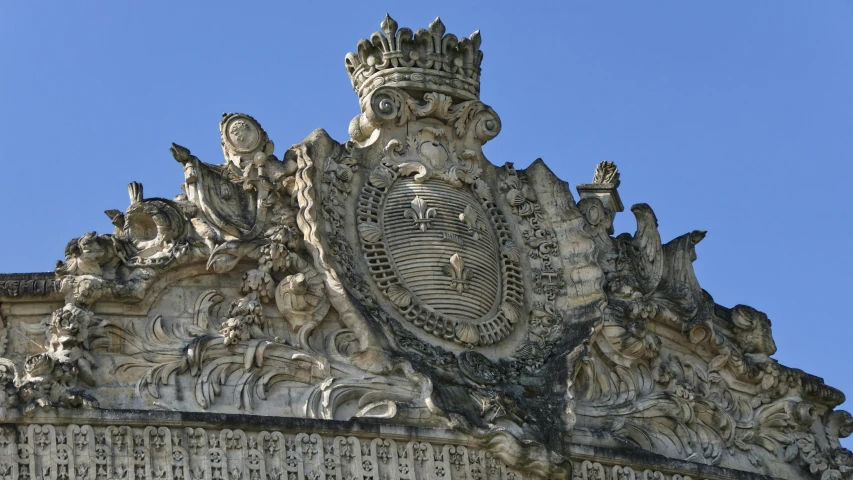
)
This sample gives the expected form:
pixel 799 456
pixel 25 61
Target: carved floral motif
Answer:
pixel 420 213
pixel 434 162
pixel 546 323
pixel 398 277
pixel 725 398
pixel 173 453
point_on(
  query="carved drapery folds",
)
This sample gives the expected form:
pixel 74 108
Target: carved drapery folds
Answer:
pixel 399 277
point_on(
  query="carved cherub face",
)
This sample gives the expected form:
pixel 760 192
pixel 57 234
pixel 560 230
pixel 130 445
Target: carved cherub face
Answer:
pixel 69 328
pixel 86 255
pixel 752 330
pixel 89 247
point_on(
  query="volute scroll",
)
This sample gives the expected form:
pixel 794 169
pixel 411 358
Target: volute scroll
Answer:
pixel 395 307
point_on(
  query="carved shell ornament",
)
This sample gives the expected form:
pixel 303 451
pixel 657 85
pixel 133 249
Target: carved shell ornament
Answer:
pixel 398 277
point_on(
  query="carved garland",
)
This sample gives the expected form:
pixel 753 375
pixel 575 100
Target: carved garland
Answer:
pixel 548 279
pixel 376 254
pixel 338 171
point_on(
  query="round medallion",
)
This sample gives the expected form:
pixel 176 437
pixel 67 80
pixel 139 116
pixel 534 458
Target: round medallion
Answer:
pixel 243 133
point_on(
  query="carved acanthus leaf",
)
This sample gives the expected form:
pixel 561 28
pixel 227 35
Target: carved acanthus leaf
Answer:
pixel 606 173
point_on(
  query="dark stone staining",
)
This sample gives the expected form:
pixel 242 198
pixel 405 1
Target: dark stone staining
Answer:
pixel 41 284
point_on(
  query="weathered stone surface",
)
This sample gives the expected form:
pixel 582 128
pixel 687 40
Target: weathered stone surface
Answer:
pixel 394 307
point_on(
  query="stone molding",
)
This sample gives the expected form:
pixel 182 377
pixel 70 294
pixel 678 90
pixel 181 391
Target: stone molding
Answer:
pixel 134 445
pixel 400 298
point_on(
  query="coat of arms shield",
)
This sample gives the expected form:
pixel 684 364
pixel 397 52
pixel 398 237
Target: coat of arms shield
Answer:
pixel 435 242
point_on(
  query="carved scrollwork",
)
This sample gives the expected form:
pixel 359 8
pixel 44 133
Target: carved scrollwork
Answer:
pixel 390 104
pixel 419 303
pixel 725 399
pixel 399 278
pixel 212 358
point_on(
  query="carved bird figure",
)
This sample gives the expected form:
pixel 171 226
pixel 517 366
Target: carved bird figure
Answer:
pixel 642 254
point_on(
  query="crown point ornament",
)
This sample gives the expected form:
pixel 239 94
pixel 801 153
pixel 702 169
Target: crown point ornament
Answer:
pixel 427 61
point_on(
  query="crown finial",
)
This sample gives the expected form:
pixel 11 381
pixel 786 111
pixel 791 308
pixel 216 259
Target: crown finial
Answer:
pixel 389 26
pixel 437 27
pixel 429 60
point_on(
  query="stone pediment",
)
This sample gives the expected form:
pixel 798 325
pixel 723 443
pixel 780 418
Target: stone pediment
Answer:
pixel 402 283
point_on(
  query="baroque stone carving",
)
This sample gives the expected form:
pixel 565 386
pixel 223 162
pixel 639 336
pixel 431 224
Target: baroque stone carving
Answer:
pixel 193 453
pixel 398 279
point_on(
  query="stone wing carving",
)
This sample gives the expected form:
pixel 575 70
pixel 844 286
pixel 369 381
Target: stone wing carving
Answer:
pixel 402 280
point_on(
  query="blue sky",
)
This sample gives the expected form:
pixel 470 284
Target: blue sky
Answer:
pixel 732 117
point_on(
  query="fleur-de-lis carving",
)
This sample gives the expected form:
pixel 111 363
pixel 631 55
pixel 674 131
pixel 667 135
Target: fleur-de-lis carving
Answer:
pixel 382 451
pixel 471 220
pixel 420 451
pixel 420 213
pixel 457 271
pixel 274 474
pixel 157 441
pixel 273 445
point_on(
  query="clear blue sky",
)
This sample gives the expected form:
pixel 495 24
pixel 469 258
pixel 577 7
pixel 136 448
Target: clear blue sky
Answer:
pixel 728 116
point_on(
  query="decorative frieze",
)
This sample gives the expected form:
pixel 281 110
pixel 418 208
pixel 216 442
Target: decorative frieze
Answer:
pixel 398 278
pixel 87 452
pixel 28 285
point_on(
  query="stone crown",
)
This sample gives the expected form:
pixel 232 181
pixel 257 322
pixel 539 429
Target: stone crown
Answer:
pixel 429 60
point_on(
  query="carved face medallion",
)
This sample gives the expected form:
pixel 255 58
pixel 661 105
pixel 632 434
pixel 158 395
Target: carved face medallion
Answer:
pixel 438 250
pixel 242 133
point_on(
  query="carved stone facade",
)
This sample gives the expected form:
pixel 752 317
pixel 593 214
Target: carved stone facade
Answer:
pixel 394 307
